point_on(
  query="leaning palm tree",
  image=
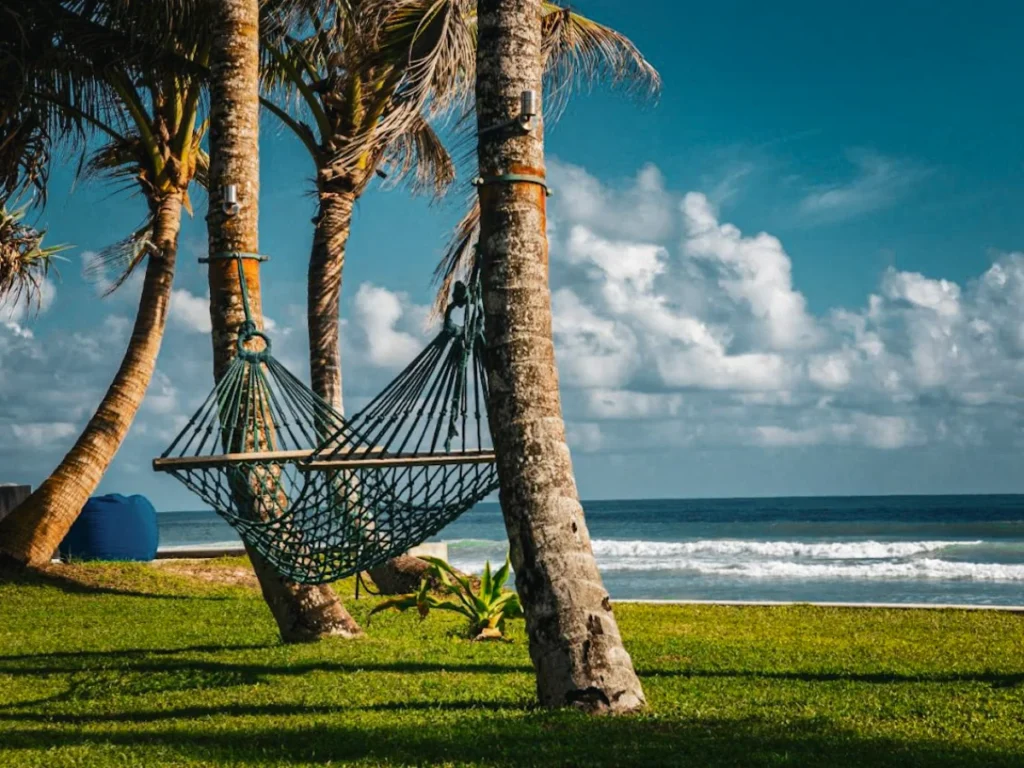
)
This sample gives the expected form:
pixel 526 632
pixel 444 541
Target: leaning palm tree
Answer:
pixel 151 124
pixel 302 612
pixel 575 644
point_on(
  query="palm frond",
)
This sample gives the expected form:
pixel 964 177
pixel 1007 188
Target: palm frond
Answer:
pixel 577 52
pixel 419 156
pixel 111 267
pixel 55 61
pixel 202 172
pixel 123 161
pixel 581 52
pixel 459 257
pixel 24 260
pixel 422 55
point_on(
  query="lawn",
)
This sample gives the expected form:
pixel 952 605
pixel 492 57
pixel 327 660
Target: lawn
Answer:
pixel 125 665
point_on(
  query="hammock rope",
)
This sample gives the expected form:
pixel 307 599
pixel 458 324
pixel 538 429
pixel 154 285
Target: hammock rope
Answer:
pixel 321 497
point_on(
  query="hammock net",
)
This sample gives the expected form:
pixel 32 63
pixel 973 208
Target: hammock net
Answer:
pixel 321 497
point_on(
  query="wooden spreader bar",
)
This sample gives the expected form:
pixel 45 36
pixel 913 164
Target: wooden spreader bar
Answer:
pixel 401 460
pixel 366 459
pixel 195 462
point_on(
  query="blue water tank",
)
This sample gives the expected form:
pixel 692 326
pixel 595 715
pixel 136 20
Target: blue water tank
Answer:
pixel 113 527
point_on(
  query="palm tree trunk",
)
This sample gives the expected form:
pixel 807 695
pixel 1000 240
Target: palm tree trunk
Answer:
pixel 302 612
pixel 31 533
pixel 575 645
pixel 326 262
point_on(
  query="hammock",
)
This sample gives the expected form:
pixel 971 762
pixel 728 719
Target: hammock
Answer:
pixel 321 497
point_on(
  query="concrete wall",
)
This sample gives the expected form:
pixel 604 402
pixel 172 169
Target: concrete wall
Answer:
pixel 11 496
pixel 431 549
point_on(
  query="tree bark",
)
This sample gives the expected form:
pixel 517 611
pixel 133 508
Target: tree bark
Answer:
pixel 32 532
pixel 323 305
pixel 400 575
pixel 323 286
pixel 575 645
pixel 302 612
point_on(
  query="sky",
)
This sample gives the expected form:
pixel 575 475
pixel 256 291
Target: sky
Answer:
pixel 799 271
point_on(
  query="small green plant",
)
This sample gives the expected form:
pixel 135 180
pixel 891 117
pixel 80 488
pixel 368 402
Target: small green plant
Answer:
pixel 486 611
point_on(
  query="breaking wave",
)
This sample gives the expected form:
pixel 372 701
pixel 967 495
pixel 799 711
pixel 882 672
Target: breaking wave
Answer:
pixel 842 550
pixel 778 560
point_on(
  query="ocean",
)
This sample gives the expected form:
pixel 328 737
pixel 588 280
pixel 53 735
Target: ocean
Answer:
pixel 905 549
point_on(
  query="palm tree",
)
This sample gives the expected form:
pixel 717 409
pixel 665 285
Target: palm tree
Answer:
pixel 366 84
pixel 575 644
pixel 302 612
pixel 150 121
pixel 55 53
pixel 576 51
pixel 83 44
pixel 36 70
pixel 345 92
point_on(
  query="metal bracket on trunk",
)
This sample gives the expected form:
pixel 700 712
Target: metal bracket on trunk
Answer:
pixel 233 255
pixel 512 178
pixel 529 111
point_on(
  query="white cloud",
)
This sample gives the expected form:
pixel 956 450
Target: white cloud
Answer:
pixel 754 270
pixel 585 437
pixel 882 432
pixel 593 351
pixel 378 312
pixel 707 339
pixel 162 395
pixel 189 311
pixel 830 371
pixel 41 434
pixel 626 404
pixel 880 181
pixel 915 290
pixel 15 313
pixel 642 208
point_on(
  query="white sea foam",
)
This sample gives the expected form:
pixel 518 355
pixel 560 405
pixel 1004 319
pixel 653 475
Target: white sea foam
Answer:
pixel 841 550
pixel 927 568
pixel 774 560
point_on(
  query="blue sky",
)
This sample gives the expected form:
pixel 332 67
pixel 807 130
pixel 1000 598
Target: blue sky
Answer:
pixel 869 341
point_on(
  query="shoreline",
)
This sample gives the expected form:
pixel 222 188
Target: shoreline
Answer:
pixel 822 604
pixel 200 553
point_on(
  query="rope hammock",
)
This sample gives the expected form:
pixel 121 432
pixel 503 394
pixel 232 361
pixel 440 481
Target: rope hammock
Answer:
pixel 321 497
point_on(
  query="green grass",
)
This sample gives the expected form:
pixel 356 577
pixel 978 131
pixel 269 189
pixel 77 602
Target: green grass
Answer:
pixel 125 665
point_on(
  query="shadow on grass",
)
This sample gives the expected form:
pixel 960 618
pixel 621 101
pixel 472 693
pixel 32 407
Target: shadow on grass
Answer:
pixel 531 738
pixel 140 660
pixel 50 576
pixel 259 710
pixel 132 673
pixel 995 679
pixel 129 653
